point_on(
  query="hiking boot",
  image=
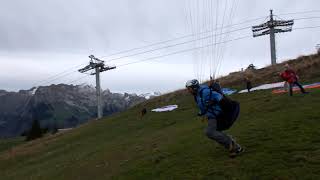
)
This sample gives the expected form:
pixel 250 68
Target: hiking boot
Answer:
pixel 236 152
pixel 235 149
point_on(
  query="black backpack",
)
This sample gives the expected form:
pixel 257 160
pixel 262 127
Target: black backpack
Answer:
pixel 230 110
pixel 229 114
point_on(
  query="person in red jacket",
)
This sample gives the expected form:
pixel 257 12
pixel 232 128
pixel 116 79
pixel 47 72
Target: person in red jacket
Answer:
pixel 290 76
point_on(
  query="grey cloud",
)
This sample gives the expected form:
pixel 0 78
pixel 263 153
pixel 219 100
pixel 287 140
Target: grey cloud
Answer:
pixel 102 27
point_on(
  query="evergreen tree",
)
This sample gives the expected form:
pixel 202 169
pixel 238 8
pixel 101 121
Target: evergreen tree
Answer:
pixel 35 131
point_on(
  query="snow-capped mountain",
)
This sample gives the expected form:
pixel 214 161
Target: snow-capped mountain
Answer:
pixel 150 95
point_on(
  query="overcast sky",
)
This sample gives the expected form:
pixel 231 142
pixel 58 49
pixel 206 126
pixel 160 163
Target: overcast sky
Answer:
pixel 41 38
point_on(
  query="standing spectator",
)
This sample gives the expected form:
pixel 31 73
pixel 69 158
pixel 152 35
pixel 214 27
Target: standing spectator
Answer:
pixel 143 112
pixel 290 76
pixel 248 84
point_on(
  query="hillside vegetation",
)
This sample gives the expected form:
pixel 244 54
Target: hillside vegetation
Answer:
pixel 307 68
pixel 280 134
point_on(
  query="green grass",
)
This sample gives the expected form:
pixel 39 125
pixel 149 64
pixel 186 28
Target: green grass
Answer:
pixel 280 134
pixel 6 144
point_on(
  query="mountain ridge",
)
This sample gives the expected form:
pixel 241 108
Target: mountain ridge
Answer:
pixel 60 105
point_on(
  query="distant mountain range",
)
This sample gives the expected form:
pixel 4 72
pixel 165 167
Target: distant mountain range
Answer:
pixel 58 106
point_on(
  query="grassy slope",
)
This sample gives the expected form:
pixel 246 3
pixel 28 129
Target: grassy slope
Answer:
pixel 281 135
pixel 6 144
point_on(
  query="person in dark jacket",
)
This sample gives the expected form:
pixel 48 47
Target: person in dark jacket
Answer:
pixel 248 84
pixel 208 103
pixel 290 76
pixel 143 112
